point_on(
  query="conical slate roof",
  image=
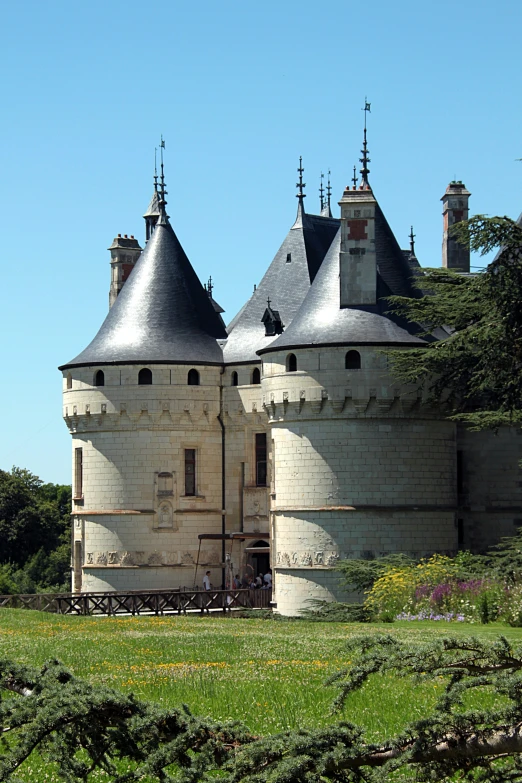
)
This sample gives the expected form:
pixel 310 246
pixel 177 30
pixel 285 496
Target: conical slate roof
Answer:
pixel 320 319
pixel 286 283
pixel 163 313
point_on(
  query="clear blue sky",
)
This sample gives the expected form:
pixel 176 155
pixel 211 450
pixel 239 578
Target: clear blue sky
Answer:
pixel 239 89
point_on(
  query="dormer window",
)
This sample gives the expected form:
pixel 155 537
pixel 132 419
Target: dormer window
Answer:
pixel 272 321
pixel 288 258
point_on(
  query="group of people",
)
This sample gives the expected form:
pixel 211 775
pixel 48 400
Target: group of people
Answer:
pixel 260 582
pixel 263 582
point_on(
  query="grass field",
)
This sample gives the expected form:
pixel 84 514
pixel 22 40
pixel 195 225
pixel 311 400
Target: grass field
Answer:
pixel 269 674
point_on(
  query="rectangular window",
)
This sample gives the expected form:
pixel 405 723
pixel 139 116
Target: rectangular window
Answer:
pixel 190 471
pixel 78 473
pixel 261 459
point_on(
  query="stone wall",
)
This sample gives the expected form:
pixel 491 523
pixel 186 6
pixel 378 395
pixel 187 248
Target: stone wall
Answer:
pixel 136 525
pixel 361 468
pixel 490 484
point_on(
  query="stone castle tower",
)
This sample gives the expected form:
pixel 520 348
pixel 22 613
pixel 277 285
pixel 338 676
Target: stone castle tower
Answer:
pixel 286 426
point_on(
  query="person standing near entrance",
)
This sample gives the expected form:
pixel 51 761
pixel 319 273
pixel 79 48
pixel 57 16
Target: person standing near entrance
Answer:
pixel 206 581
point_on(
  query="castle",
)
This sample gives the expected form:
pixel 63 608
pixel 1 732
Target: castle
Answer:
pixel 281 439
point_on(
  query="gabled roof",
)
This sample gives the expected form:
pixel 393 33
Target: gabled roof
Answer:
pixel 320 319
pixel 286 283
pixel 163 313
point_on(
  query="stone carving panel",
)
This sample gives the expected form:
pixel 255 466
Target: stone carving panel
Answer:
pixel 307 558
pixel 255 502
pixel 165 514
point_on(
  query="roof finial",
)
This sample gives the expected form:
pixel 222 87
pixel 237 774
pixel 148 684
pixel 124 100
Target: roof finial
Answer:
pixel 163 192
pixel 210 286
pixel 321 192
pixel 328 190
pixel 301 185
pixel 268 302
pixel 365 159
pixel 354 178
pixel 155 170
pixel 412 241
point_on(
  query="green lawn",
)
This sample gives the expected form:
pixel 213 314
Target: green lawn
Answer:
pixel 269 674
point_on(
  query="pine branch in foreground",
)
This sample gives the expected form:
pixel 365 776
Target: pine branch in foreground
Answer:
pixel 85 728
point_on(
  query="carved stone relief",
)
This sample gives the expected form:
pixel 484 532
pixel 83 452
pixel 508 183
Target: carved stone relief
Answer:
pixel 307 559
pixel 165 514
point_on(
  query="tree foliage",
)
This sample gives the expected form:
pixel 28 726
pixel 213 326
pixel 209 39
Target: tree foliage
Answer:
pixel 476 366
pixel 34 532
pixel 84 728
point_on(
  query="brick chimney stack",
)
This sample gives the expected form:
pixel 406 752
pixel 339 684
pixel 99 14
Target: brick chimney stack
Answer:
pixel 454 209
pixel 358 265
pixel 125 251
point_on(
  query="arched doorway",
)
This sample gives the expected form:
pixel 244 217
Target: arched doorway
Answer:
pixel 259 557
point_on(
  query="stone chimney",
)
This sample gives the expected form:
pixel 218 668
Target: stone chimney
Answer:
pixel 454 209
pixel 357 262
pixel 125 251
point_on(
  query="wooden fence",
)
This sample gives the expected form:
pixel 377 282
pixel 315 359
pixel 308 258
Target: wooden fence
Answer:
pixel 156 602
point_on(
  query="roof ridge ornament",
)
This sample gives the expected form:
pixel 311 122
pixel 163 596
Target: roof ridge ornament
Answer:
pixel 412 241
pixel 155 170
pixel 162 191
pixel 301 185
pixel 328 190
pixel 301 195
pixel 354 178
pixel 365 159
pixel 321 192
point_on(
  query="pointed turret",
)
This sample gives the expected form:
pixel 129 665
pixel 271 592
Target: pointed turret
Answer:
pixel 152 214
pixel 163 313
pixel 288 278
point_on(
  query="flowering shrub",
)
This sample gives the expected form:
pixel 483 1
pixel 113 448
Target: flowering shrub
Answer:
pixel 432 590
pixel 513 606
pixel 396 590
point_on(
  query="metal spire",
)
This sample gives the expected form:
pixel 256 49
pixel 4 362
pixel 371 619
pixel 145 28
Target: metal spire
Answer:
pixel 321 192
pixel 155 170
pixel 328 190
pixel 301 185
pixel 163 192
pixel 354 178
pixel 365 159
pixel 412 241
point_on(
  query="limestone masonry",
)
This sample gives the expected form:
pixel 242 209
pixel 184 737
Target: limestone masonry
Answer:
pixel 286 425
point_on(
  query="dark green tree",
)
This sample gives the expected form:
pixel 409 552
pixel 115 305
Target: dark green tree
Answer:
pixel 84 728
pixel 476 368
pixel 34 531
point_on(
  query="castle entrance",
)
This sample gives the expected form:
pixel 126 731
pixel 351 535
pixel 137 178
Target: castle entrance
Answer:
pixel 259 557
